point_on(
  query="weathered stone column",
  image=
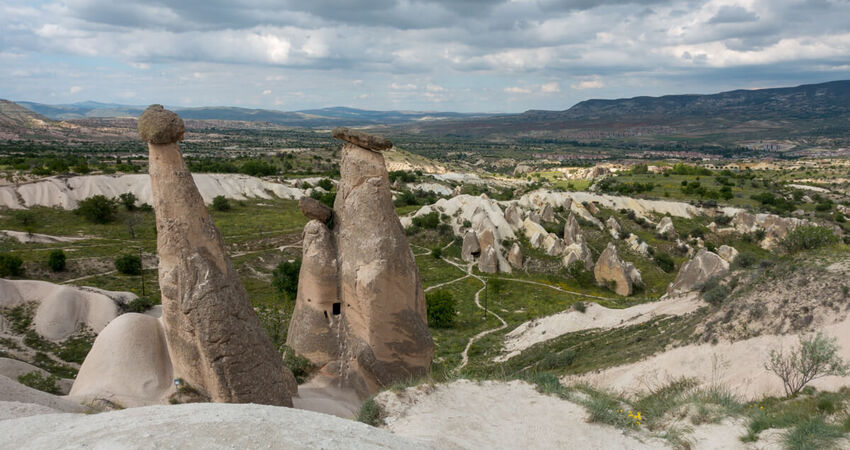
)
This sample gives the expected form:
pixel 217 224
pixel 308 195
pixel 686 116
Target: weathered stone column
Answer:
pixel 382 301
pixel 215 340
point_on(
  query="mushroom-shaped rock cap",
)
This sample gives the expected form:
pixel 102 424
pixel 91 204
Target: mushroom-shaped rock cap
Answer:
pixel 158 125
pixel 361 139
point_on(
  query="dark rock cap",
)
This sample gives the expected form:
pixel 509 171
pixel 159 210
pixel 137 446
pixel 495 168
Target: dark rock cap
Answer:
pixel 158 125
pixel 361 139
pixel 315 209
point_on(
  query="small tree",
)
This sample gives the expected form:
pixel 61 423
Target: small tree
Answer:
pixel 26 219
pixel 132 220
pixel 816 357
pixel 285 278
pixel 128 199
pixel 129 265
pixel 56 260
pixel 220 203
pixel 97 209
pixel 441 309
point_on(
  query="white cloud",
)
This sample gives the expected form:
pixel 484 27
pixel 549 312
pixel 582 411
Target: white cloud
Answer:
pixel 549 88
pixel 267 92
pixel 75 89
pixel 588 84
pixel 517 90
pixel 403 87
pixel 430 87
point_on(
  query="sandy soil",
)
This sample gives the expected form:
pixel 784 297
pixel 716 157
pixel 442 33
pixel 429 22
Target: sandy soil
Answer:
pixel 738 366
pixel 322 394
pixel 197 426
pixel 495 415
pixel 595 316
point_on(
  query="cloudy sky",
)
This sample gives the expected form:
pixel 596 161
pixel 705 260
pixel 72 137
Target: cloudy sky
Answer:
pixel 449 55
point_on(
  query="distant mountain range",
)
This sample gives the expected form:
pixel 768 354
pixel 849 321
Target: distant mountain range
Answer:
pixel 311 118
pixel 808 111
pixel 804 111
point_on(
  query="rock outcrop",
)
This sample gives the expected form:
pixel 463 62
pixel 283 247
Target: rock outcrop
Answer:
pixel 578 251
pixel 512 216
pixel 612 271
pixel 665 228
pixel 486 237
pixel 215 341
pixel 128 364
pixel 488 263
pixel 547 214
pixel 572 231
pixel 364 299
pixel 470 248
pixel 515 256
pixel 694 273
pixel 727 253
pixel 614 227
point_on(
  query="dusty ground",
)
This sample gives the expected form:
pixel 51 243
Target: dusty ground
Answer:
pixel 197 426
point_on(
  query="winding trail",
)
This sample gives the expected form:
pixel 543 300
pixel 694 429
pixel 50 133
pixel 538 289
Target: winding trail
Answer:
pixel 465 354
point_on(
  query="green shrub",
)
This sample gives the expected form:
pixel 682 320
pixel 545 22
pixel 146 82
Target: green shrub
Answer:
pixel 128 199
pixel 285 278
pixel 325 184
pixel 77 347
pixel 716 295
pixel 11 265
pixel 583 277
pixel 428 221
pixel 56 260
pixel 220 203
pixel 744 260
pixel 327 198
pixel 813 434
pixel 129 264
pixel 27 219
pixel 300 366
pixel 580 307
pixel 38 381
pixel 139 305
pixel 437 252
pixel 664 261
pixel 97 209
pixel 441 309
pixel 814 358
pixel 558 360
pixel 370 413
pixel 808 237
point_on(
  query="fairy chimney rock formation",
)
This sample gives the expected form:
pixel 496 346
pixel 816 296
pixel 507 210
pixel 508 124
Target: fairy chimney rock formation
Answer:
pixel 694 273
pixel 489 261
pixel 572 231
pixel 515 256
pixel 314 328
pixel 314 209
pixel 612 271
pixel 375 332
pixel 215 341
pixel 471 248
